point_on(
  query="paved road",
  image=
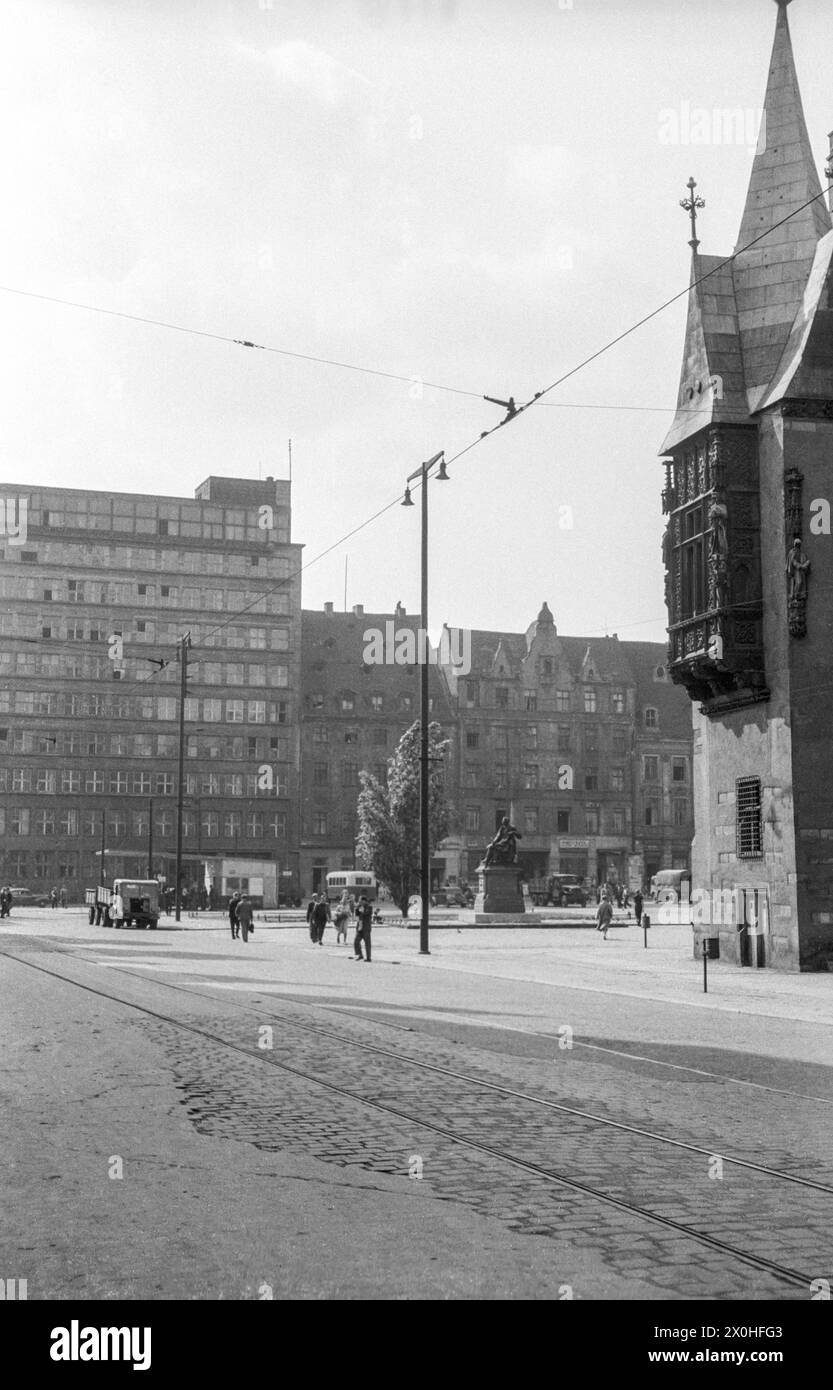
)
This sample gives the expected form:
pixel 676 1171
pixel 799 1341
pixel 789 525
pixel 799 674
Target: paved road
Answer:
pixel 539 1115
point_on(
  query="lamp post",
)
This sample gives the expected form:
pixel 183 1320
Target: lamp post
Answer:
pixel 423 473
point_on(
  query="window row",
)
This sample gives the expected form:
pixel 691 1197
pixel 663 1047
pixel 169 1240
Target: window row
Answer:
pixel 377 734
pixel 147 558
pixel 93 706
pixel 348 773
pixel 88 667
pixel 259 523
pixel 173 595
pixel 215 747
pixel 564 737
pixel 73 781
pixel 588 698
pixel 528 776
pixel 348 702
pixel 43 626
pixel 23 821
pixel 592 820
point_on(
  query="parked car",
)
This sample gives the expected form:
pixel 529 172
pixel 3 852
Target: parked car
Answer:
pixel 452 896
pixel 24 897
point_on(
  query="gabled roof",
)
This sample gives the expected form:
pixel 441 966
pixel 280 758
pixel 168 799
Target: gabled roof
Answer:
pixel 747 318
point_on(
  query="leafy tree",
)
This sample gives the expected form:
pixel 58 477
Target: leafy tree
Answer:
pixel 388 816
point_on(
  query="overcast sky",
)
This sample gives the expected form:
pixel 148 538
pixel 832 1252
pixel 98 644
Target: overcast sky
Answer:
pixel 474 193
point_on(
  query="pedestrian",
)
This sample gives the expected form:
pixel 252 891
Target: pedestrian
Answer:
pixel 310 909
pixel 63 896
pixel 245 915
pixel 5 901
pixel 364 914
pixel 320 918
pixel 637 906
pixel 604 914
pixel 53 898
pixel 233 904
pixel 342 917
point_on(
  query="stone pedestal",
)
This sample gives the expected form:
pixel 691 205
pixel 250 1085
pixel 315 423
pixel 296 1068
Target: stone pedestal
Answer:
pixel 499 892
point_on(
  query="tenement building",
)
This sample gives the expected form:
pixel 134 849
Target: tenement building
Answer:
pixel 359 694
pixel 583 742
pixel 97 593
pixel 748 553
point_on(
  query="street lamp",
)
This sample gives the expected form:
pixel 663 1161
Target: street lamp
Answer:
pixel 423 473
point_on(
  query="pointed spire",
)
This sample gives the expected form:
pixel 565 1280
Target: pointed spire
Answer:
pixel 784 177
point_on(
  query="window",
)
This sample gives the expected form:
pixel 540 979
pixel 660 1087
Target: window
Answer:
pixel 693 561
pixel 166 708
pixel 563 738
pixel 652 815
pixel 650 768
pixel 546 667
pixel 140 784
pixel 19 821
pixel 531 819
pixel 589 700
pixel 254 825
pixel 531 736
pixel 619 743
pixel 234 711
pixel 212 711
pixel 471 693
pixel 377 703
pixel 349 774
pixel 407 703
pixel 93 782
pixel 591 820
pixel 530 701
pixel 617 779
pixel 69 823
pixel 118 783
pixel 232 825
pixel 651 718
pixel 472 818
pixel 164 784
pixel 502 696
pixel 316 703
pixel 256 711
pixel 210 825
pixel 563 822
pixel 679 770
pixel 501 736
pixel 320 774
pixel 472 738
pixel 530 775
pixel 44 822
pixel 562 701
pixel 471 777
pixel 591 738
pixel 617 701
pixel 679 811
pixel 501 774
pixel 617 821
pixel 749 825
pixel 351 735
pixel 591 781
pixel 348 702
pixel 319 823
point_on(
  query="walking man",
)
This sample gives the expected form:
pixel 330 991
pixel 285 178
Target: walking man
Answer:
pixel 364 914
pixel 244 915
pixel 637 906
pixel 604 914
pixel 53 898
pixel 233 903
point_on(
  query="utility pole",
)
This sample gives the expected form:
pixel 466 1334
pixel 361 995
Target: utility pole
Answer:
pixel 424 785
pixel 103 846
pixel 150 838
pixel 184 644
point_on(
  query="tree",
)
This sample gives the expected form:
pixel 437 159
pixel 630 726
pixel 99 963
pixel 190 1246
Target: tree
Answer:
pixel 388 838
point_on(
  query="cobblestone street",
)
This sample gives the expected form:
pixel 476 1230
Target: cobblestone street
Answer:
pixel 513 1135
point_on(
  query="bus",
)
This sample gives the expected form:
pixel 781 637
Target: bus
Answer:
pixel 355 881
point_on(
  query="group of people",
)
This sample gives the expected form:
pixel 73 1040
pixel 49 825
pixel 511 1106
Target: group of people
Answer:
pixel 604 912
pixel 240 916
pixel 57 896
pixel 5 901
pixel 347 912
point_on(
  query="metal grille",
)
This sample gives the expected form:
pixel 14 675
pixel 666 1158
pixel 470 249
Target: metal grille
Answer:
pixel 749 830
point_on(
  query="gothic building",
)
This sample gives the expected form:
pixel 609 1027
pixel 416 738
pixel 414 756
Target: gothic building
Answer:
pixel 747 552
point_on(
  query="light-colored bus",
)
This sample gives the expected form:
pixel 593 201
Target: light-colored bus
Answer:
pixel 355 881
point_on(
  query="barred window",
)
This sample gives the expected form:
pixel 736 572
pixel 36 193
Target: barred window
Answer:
pixel 749 827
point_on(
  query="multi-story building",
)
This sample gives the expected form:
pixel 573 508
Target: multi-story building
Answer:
pixel 570 737
pixel 97 591
pixel 354 712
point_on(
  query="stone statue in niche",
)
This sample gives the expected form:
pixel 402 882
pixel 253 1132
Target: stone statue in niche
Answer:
pixel 797 569
pixel 718 540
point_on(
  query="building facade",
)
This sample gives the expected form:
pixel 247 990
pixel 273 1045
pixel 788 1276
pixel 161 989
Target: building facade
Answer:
pixel 354 710
pixel 583 743
pixel 97 591
pixel 748 555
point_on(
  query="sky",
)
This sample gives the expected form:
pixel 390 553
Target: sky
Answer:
pixel 463 192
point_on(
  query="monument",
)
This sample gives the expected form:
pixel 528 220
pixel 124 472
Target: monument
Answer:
pixel 500 895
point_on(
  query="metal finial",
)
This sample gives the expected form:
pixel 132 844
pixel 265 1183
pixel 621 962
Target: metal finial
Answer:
pixel 692 205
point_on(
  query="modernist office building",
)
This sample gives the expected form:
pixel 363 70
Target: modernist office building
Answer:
pixel 96 592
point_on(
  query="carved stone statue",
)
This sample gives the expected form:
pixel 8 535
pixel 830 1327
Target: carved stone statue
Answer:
pixel 718 540
pixel 503 849
pixel 797 569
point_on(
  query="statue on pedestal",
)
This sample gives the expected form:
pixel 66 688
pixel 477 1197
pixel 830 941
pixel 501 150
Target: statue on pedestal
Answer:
pixel 503 849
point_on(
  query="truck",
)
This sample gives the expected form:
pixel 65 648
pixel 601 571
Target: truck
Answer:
pixel 129 902
pixel 558 890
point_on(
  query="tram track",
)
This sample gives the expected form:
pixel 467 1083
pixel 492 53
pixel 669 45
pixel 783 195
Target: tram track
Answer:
pixel 781 1272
